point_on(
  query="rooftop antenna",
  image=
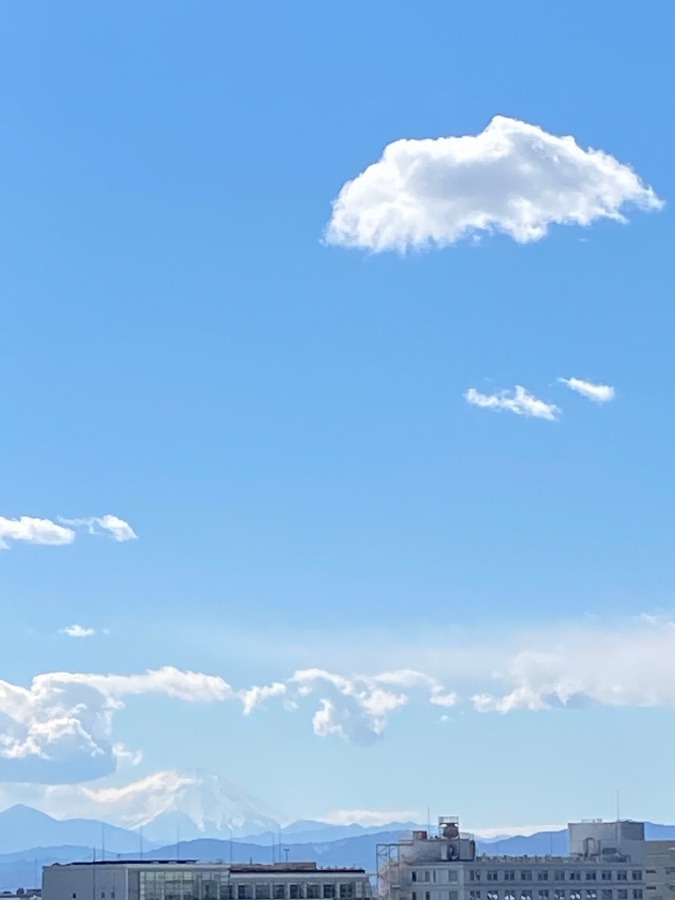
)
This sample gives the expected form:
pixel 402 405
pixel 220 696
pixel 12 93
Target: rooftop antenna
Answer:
pixel 428 820
pixel 177 843
pixel 140 840
pixel 103 841
pixel 286 849
pixel 230 844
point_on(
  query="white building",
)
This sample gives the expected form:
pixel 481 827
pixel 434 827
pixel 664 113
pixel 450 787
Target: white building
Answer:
pixel 191 880
pixel 607 861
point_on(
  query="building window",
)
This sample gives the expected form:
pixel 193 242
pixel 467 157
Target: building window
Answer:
pixel 279 891
pixel 102 895
pixel 591 875
pixel 637 894
pixel 453 895
pixel 559 875
pixel 622 894
pixel 262 891
pixel 414 895
pixel 526 875
pixel 474 895
pixel 328 891
pixel 636 874
pixel 542 875
pixel 509 875
pixel 606 875
pixel 414 875
pixel 452 875
pixel 492 875
pixel 74 896
pixel 542 894
pixel 526 895
pixel 313 892
pixel 244 892
pixel 591 894
pixel 606 894
pixel 427 895
pixel 294 891
pixel 474 875
pixel 559 894
pixel 575 895
pixel 492 895
pixel 575 876
pixel 622 875
pixel 509 894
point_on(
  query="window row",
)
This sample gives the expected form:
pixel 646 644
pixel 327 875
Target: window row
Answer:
pixel 555 894
pixel 552 875
pixel 263 890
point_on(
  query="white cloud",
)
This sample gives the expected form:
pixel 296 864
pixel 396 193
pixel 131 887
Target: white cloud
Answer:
pixel 44 531
pixel 518 401
pixel 33 531
pixel 256 696
pixel 355 708
pixel 114 527
pixel 77 631
pixel 512 178
pixel 59 729
pixel 601 393
pixel 632 666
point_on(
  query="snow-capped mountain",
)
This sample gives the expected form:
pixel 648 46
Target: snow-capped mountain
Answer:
pixel 190 803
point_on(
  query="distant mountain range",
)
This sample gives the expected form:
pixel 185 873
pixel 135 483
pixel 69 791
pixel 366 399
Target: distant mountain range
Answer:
pixel 30 840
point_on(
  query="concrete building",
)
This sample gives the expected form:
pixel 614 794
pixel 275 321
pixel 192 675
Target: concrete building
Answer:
pixel 192 880
pixel 660 870
pixel 607 861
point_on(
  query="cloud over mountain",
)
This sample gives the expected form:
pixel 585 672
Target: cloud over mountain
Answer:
pixel 513 178
pixel 59 729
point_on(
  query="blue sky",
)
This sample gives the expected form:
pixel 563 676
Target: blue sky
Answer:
pixel 282 421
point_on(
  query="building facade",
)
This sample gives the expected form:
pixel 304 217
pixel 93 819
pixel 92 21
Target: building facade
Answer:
pixel 660 870
pixel 191 880
pixel 607 861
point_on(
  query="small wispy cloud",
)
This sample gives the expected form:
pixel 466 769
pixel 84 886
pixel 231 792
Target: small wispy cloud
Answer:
pixel 114 527
pixel 31 530
pixel 78 631
pixel 518 401
pixel 600 393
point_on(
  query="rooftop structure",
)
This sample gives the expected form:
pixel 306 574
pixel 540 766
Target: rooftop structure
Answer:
pixel 606 862
pixel 187 879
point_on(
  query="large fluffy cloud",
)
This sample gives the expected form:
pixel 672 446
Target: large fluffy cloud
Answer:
pixel 355 708
pixel 59 729
pixel 512 178
pixel 593 666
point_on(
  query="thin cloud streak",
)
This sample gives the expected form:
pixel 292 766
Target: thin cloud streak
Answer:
pixel 518 401
pixel 600 393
